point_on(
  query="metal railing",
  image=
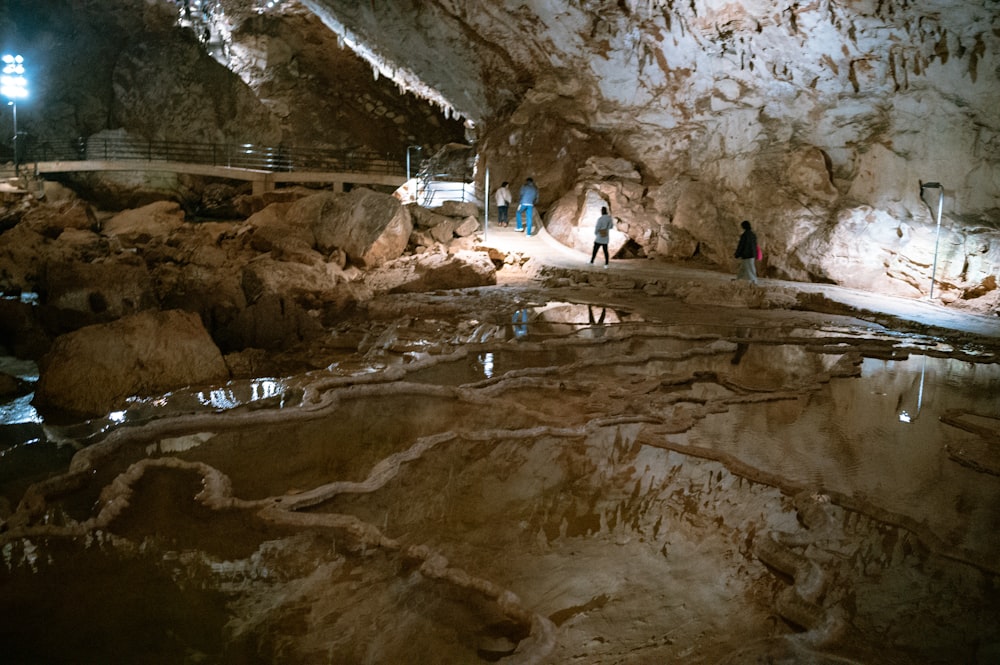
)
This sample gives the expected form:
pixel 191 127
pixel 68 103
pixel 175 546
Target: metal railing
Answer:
pixel 242 156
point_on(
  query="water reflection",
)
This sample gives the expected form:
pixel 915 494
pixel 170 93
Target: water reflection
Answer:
pixel 848 438
pixel 31 448
pixel 486 362
pixel 908 415
pixel 19 410
pixel 556 318
pixel 520 323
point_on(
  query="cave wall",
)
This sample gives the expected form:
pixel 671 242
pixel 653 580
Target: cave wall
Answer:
pixel 131 65
pixel 815 121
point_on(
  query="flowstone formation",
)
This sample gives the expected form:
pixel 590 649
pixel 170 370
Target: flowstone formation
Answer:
pixel 610 477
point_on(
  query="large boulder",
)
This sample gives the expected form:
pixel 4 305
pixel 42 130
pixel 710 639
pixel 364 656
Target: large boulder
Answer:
pixel 272 231
pixel 294 280
pixel 139 226
pixel 434 270
pixel 95 369
pixel 573 217
pixel 108 289
pixel 372 228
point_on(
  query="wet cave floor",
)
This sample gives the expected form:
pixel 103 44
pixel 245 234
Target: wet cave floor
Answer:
pixel 507 476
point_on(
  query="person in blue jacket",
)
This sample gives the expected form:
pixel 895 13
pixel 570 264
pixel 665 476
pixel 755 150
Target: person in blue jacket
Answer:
pixel 529 196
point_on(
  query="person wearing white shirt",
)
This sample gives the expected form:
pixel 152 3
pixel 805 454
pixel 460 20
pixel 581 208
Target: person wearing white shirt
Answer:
pixel 503 199
pixel 602 234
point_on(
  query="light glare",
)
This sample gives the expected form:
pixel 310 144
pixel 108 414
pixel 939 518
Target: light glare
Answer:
pixel 13 84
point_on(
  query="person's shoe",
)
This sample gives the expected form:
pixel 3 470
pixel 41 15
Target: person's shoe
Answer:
pixel 605 266
pixel 591 263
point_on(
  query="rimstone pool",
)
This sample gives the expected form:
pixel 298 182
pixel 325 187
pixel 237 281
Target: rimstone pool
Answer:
pixel 576 483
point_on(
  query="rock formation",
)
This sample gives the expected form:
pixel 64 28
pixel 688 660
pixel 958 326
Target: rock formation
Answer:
pixel 95 369
pixel 814 121
pixel 817 122
pixel 277 280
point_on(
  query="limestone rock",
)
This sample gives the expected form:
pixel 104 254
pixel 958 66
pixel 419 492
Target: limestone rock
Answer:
pixel 433 270
pixel 272 321
pixel 424 218
pixel 467 227
pixel 370 227
pixel 565 220
pixel 461 209
pixel 139 226
pixel 106 289
pixel 265 275
pixel 96 368
pixel 271 231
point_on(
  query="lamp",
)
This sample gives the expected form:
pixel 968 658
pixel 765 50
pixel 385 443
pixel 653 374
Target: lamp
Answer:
pixel 13 86
pixel 937 238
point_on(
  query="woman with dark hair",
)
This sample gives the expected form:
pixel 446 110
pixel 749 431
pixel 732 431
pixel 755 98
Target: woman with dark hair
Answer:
pixel 746 252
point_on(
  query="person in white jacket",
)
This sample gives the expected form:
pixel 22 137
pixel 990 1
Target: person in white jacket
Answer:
pixel 503 199
pixel 602 235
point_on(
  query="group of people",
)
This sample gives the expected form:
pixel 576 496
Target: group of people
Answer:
pixel 747 250
pixel 525 214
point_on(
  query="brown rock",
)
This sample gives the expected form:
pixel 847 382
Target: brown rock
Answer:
pixel 95 369
pixel 139 226
pixel 434 270
pixel 370 227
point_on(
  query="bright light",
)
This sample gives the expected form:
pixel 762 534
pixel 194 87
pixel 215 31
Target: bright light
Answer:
pixel 13 84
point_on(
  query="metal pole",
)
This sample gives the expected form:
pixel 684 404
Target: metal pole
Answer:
pixel 408 148
pixel 16 170
pixel 937 240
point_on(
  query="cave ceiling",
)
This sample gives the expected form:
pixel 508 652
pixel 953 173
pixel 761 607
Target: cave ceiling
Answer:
pixel 664 80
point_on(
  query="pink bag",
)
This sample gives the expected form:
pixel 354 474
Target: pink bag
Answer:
pixel 760 254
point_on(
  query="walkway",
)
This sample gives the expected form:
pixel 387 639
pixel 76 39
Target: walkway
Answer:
pixel 547 249
pixel 264 166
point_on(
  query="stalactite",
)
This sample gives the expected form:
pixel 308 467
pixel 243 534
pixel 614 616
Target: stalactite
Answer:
pixel 978 51
pixel 892 71
pixel 941 48
pixel 792 19
pixel 852 76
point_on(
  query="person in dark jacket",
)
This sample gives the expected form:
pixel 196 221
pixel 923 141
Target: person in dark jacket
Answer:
pixel 746 252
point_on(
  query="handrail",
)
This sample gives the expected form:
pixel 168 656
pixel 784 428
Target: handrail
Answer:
pixel 243 156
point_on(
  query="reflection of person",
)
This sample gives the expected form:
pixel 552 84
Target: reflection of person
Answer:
pixel 520 321
pixel 741 347
pixel 602 233
pixel 596 325
pixel 529 196
pixel 746 252
pixel 503 199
